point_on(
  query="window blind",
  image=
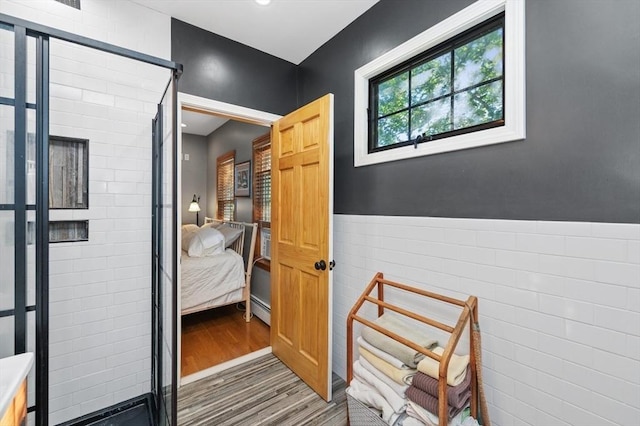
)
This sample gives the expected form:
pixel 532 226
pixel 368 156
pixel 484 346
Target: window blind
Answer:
pixel 224 186
pixel 262 180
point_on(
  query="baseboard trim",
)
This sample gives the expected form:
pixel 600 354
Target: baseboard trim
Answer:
pixel 261 309
pixel 224 366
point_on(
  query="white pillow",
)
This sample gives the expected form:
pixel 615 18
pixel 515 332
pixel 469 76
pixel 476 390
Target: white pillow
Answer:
pixel 206 242
pixel 188 231
pixel 230 234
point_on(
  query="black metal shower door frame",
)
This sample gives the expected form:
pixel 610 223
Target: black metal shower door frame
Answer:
pixel 42 34
pixel 21 206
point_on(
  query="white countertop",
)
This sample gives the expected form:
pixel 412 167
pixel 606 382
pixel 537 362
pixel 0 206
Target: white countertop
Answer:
pixel 13 370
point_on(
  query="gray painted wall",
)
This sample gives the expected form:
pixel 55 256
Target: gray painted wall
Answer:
pixel 194 175
pixel 581 158
pixel 236 135
pixel 222 69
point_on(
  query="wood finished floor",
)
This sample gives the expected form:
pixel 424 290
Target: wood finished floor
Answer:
pixel 260 392
pixel 218 335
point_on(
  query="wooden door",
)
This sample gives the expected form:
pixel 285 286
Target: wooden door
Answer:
pixel 301 230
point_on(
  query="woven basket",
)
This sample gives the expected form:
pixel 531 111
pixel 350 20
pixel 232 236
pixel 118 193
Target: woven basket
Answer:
pixel 361 415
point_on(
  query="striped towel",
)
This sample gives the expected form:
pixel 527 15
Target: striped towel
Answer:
pixel 456 395
pixel 430 403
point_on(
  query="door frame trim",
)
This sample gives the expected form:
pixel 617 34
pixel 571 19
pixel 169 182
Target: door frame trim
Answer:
pixel 213 107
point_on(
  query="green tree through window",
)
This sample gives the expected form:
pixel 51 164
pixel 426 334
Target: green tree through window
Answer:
pixel 456 87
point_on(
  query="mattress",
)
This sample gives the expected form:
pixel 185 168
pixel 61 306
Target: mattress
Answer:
pixel 211 281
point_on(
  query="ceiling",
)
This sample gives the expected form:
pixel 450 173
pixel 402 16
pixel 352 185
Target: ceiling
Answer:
pixel 201 124
pixel 289 29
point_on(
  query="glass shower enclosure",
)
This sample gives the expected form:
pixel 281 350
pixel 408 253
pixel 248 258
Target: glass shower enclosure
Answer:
pixel 33 293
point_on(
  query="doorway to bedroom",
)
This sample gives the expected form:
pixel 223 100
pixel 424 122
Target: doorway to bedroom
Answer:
pixel 215 332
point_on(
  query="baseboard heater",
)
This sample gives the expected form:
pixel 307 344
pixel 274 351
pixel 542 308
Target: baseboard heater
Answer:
pixel 261 309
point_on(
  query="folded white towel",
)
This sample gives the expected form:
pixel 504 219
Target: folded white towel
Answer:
pixel 396 401
pixel 399 375
pixel 382 354
pixel 397 326
pixel 371 398
pixel 398 388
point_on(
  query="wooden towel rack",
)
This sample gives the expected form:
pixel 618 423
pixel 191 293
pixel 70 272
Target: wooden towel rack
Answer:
pixel 469 310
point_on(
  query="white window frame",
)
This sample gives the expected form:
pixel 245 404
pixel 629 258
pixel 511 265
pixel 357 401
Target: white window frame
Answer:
pixel 514 83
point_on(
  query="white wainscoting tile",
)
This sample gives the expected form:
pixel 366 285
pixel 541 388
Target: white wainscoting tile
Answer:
pixel 559 305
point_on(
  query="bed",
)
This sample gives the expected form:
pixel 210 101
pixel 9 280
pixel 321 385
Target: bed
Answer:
pixel 211 280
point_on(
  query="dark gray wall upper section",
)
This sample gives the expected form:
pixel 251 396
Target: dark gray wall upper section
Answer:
pixel 194 176
pixel 227 71
pixel 581 158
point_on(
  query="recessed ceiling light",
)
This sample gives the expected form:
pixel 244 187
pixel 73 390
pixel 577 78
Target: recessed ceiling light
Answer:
pixel 263 2
pixel 183 125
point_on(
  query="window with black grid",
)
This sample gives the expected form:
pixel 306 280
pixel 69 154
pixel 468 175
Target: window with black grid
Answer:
pixel 454 88
pixel 262 180
pixel 224 186
pixel 262 193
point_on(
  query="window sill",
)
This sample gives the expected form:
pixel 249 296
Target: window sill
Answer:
pixel 263 264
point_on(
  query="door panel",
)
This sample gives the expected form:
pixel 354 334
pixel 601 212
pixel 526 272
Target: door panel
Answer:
pixel 311 237
pixel 286 141
pixel 286 230
pixel 290 292
pixel 311 136
pixel 301 236
pixel 309 345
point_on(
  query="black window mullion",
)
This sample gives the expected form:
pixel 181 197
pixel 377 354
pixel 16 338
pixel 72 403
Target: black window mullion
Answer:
pixel 396 112
pixel 504 61
pixel 448 95
pixel 452 89
pixel 475 86
pixel 20 196
pixel 372 115
pixel 409 104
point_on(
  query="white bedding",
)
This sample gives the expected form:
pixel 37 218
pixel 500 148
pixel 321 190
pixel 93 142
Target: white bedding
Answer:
pixel 211 281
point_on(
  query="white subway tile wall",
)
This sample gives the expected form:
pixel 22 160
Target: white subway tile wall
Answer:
pixel 100 321
pixel 559 306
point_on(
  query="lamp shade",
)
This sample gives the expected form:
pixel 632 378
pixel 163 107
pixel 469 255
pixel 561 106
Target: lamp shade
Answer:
pixel 194 206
